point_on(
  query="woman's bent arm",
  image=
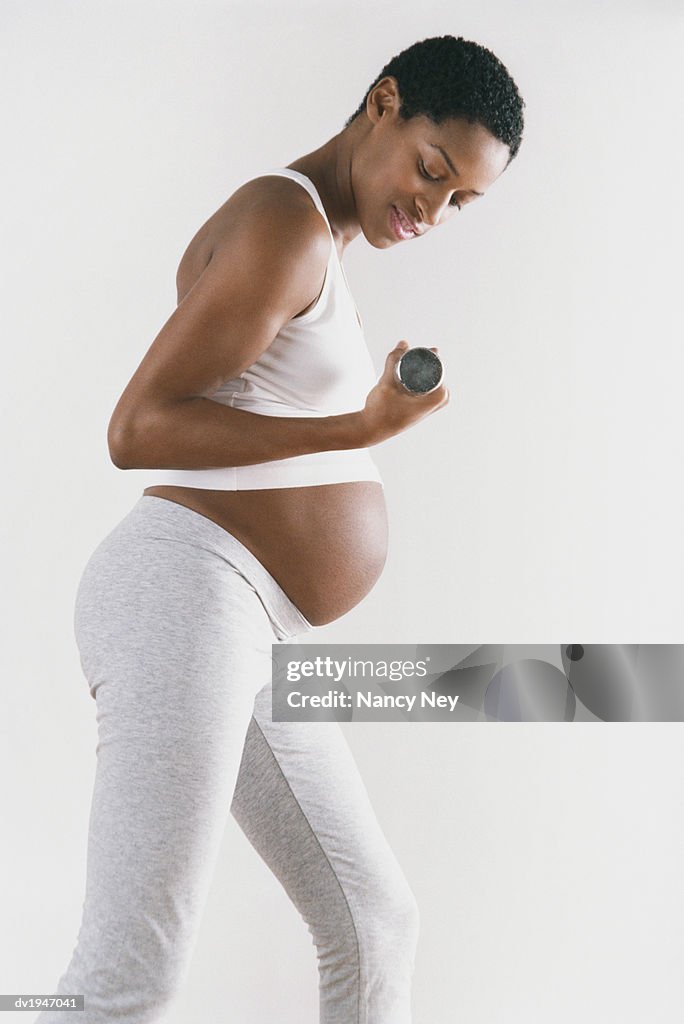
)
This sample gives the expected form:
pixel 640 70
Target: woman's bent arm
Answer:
pixel 261 274
pixel 269 267
pixel 201 434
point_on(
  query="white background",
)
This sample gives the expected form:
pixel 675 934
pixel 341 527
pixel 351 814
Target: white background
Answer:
pixel 542 505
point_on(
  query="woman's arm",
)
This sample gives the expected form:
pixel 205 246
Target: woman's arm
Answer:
pixel 270 268
pixel 201 434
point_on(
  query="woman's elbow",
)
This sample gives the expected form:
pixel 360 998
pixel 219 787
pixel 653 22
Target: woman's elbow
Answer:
pixel 119 445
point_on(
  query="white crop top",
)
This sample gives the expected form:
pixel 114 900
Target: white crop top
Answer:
pixel 317 365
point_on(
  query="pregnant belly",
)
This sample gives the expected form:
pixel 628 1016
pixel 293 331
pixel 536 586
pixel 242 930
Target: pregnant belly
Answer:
pixel 326 545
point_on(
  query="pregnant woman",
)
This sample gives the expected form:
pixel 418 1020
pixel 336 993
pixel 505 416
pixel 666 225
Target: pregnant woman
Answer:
pixel 255 410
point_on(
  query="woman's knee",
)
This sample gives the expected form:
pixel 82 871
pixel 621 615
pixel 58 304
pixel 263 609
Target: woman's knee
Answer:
pixel 390 919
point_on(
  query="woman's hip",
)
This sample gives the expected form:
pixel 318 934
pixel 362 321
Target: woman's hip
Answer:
pixel 168 585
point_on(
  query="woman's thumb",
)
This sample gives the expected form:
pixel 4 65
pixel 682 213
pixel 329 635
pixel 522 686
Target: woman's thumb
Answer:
pixel 395 354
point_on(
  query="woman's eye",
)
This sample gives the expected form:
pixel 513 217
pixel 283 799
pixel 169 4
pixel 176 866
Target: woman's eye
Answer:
pixel 423 171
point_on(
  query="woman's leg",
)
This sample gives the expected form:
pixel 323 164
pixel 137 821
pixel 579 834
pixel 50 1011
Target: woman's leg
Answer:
pixel 174 644
pixel 301 803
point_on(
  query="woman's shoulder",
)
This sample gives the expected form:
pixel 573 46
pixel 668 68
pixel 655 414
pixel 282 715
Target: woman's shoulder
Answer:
pixel 273 203
pixel 274 196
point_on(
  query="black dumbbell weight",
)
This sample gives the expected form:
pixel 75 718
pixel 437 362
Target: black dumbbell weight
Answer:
pixel 420 370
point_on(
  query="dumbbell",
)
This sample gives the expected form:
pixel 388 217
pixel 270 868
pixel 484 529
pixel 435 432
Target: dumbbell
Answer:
pixel 420 370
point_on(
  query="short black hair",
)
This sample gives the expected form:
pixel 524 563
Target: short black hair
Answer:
pixel 444 77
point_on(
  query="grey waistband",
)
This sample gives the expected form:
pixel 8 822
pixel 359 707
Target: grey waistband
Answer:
pixel 287 619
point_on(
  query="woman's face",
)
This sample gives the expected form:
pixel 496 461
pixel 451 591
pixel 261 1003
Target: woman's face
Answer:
pixel 425 171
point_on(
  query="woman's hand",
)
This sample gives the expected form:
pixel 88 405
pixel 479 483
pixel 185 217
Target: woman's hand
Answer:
pixel 390 408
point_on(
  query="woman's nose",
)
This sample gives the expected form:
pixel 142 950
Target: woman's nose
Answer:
pixel 432 213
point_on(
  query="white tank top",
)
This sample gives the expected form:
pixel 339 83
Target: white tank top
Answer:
pixel 317 365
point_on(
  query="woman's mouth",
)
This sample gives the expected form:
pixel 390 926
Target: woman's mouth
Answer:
pixel 400 226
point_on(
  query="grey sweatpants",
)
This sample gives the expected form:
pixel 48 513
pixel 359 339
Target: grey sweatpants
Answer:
pixel 174 621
